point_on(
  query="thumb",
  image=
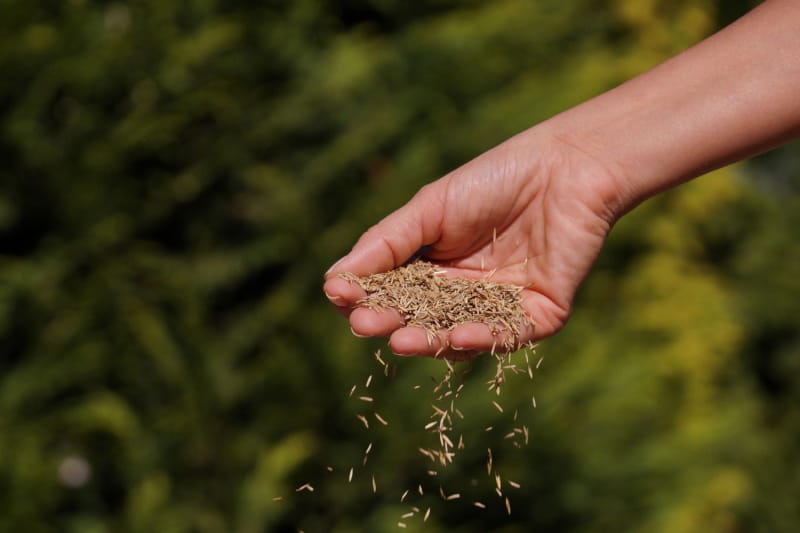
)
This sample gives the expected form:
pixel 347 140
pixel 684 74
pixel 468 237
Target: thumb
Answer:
pixel 393 240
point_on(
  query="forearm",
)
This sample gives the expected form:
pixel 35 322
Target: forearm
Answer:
pixel 732 96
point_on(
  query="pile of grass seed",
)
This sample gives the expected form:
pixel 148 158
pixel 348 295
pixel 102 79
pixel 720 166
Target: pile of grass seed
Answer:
pixel 428 299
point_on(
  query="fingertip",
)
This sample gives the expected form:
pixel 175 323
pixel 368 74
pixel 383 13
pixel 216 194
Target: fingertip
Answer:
pixel 411 341
pixel 472 336
pixel 342 293
pixel 371 323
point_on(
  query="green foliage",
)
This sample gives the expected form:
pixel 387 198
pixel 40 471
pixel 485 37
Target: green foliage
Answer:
pixel 176 178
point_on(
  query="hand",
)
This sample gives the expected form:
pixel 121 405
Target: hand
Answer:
pixel 552 193
pixel 550 207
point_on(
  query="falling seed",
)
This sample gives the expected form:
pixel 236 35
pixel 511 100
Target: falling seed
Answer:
pixel 433 473
pixel 454 496
pixel 306 486
pixel 381 419
pixel 401 524
pixel 403 497
pixel 350 475
pixel 363 420
pixel 329 468
pixel 533 401
pixel 366 398
pixel 352 390
pixel 488 428
pixel 427 514
pixel 516 412
pixel 408 515
pixel 441 493
pixel 277 498
pixel 508 506
pixel 419 489
pixel 498 481
pixel 497 406
pixel 539 362
pixel 369 381
pixel 513 483
pixel 374 486
pixel 416 387
pixel 479 505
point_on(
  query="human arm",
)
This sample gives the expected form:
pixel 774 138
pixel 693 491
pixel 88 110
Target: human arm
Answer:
pixel 552 193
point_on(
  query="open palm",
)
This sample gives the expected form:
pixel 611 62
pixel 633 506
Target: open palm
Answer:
pixel 528 212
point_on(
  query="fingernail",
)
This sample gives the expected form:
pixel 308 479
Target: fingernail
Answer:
pixel 356 334
pixel 334 299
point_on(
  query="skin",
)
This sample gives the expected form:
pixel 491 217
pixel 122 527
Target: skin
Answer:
pixel 552 193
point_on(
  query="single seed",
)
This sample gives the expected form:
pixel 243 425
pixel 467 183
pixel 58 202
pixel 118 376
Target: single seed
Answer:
pixel 513 483
pixel 454 496
pixel 305 486
pixel 401 525
pixel 374 486
pixel 365 398
pixel 381 419
pixel 497 406
pixel 479 505
pixel 369 381
pixel 350 475
pixel 352 390
pixel 407 515
pixel 329 468
pixel 403 497
pixel 427 514
pixel 277 498
pixel 419 489
pixel 508 506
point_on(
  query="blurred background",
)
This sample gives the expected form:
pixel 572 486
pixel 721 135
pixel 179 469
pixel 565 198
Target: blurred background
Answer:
pixel 177 176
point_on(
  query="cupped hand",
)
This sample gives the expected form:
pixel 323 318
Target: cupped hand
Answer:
pixel 534 212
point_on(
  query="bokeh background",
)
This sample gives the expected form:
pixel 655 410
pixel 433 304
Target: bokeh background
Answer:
pixel 175 177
